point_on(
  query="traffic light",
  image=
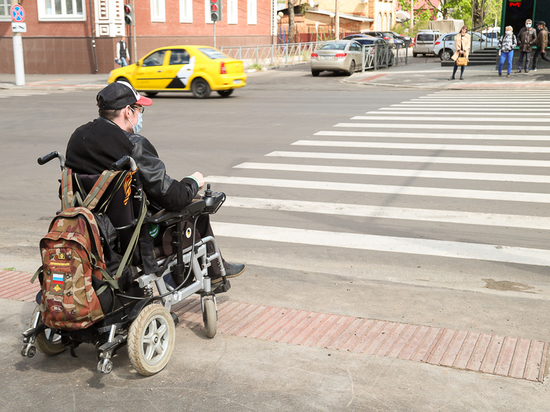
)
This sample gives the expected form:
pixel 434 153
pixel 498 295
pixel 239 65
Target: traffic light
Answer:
pixel 129 15
pixel 216 10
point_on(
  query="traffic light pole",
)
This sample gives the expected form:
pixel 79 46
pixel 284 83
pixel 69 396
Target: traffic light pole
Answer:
pixel 135 41
pixel 214 34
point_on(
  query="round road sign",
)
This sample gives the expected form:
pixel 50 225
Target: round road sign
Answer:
pixel 17 13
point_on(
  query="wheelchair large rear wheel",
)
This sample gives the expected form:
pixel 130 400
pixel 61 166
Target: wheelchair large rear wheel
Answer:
pixel 47 342
pixel 151 340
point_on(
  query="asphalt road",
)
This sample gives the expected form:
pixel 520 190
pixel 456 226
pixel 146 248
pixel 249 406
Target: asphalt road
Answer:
pixel 438 222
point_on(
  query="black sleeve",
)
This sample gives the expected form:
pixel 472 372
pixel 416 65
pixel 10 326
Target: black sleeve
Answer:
pixel 168 193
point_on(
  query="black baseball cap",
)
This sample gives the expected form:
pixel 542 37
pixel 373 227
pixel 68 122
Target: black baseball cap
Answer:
pixel 120 94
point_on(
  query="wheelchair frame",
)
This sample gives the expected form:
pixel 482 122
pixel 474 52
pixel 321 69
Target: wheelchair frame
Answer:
pixel 147 328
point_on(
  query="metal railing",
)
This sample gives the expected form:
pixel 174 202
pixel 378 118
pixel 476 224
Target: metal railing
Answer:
pixel 272 54
pixel 374 57
pixel 380 56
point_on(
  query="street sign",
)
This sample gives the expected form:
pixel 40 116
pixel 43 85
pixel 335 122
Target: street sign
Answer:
pixel 17 13
pixel 18 27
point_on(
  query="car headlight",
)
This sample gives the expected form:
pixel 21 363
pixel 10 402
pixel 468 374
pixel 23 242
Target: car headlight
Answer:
pixel 110 73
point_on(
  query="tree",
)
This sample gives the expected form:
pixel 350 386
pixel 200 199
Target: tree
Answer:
pixel 291 24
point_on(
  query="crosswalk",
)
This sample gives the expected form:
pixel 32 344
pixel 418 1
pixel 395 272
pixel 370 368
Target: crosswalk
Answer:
pixel 8 93
pixel 475 164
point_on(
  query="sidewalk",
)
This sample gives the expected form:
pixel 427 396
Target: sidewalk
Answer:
pixel 427 73
pixel 55 81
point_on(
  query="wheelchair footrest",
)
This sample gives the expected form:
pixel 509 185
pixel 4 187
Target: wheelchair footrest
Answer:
pixel 222 287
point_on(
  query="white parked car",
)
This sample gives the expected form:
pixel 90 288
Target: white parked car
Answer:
pixel 445 45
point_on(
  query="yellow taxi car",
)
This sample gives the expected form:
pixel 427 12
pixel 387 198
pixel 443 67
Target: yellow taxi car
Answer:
pixel 199 69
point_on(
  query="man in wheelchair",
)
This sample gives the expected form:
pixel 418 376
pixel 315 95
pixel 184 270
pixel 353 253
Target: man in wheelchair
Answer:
pixel 95 146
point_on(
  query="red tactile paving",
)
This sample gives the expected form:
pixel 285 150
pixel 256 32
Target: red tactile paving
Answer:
pixel 493 354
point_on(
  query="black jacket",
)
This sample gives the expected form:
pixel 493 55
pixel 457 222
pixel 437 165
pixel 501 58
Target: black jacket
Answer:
pixel 95 146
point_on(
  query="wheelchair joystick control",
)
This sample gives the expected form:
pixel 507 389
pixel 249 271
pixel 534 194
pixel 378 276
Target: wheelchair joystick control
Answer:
pixel 208 192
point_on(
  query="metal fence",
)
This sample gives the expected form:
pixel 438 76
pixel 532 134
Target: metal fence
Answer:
pixel 272 54
pixel 374 57
pixel 380 56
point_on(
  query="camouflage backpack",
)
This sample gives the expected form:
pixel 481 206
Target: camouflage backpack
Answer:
pixel 72 266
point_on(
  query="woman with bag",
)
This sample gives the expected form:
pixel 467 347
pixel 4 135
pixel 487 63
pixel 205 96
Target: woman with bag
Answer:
pixel 462 47
pixel 506 46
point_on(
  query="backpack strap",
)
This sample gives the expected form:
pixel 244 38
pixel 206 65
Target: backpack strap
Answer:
pixel 133 241
pixel 99 188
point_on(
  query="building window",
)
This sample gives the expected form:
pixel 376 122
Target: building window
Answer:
pixel 5 6
pixel 157 11
pixel 186 11
pixel 232 12
pixel 66 10
pixel 252 12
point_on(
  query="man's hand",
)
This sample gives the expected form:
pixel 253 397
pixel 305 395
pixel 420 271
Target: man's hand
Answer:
pixel 200 178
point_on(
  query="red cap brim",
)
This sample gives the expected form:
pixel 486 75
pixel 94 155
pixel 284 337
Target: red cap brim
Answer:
pixel 144 101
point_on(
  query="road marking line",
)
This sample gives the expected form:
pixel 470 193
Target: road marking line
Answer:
pixel 423 146
pixel 386 189
pixel 443 126
pixel 437 106
pixel 458 109
pixel 388 212
pixel 444 136
pixel 495 116
pixel 373 171
pixel 456 118
pixel 413 159
pixel 390 244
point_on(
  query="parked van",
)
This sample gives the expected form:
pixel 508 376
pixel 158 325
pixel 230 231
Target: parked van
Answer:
pixel 424 42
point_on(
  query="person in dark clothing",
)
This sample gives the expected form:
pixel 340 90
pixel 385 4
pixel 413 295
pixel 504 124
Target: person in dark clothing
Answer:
pixel 122 55
pixel 95 146
pixel 542 44
pixel 527 37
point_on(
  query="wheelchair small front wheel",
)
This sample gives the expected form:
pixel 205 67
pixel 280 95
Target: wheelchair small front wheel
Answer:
pixel 47 342
pixel 151 340
pixel 209 317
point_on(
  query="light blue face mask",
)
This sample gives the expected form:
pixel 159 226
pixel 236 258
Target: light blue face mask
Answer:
pixel 137 127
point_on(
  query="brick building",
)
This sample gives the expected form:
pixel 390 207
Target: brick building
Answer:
pixel 354 15
pixel 61 35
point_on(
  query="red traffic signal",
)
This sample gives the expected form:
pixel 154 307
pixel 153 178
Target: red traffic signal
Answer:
pixel 129 15
pixel 216 10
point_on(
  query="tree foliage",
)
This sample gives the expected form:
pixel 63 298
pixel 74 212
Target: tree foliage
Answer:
pixel 485 11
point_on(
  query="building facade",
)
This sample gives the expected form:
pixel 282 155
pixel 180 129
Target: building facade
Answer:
pixel 79 36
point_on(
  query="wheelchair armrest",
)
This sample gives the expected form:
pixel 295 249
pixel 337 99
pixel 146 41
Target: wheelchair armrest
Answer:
pixel 163 216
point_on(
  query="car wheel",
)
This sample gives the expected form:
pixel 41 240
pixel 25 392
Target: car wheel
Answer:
pixel 351 68
pixel 200 88
pixel 415 54
pixel 151 94
pixel 225 93
pixel 315 73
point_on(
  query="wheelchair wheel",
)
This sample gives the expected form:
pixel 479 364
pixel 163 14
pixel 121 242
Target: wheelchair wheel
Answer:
pixel 48 342
pixel 209 317
pixel 151 340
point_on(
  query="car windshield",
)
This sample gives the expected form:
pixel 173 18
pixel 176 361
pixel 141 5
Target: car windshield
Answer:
pixel 333 46
pixel 213 53
pixel 154 59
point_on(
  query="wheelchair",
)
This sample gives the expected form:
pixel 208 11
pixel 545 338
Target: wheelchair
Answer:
pixel 139 315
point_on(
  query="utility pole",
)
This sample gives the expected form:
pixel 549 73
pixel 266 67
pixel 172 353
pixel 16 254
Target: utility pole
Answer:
pixel 19 63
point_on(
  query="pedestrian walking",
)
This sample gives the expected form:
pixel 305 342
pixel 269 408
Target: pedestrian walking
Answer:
pixel 542 44
pixel 527 37
pixel 462 47
pixel 122 53
pixel 506 46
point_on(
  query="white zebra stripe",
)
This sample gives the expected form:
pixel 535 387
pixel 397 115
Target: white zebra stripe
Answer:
pixel 370 171
pixel 424 146
pixel 448 249
pixel 386 189
pixel 444 136
pixel 388 212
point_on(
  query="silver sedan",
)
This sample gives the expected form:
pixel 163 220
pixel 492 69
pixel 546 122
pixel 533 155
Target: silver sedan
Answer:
pixel 336 56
